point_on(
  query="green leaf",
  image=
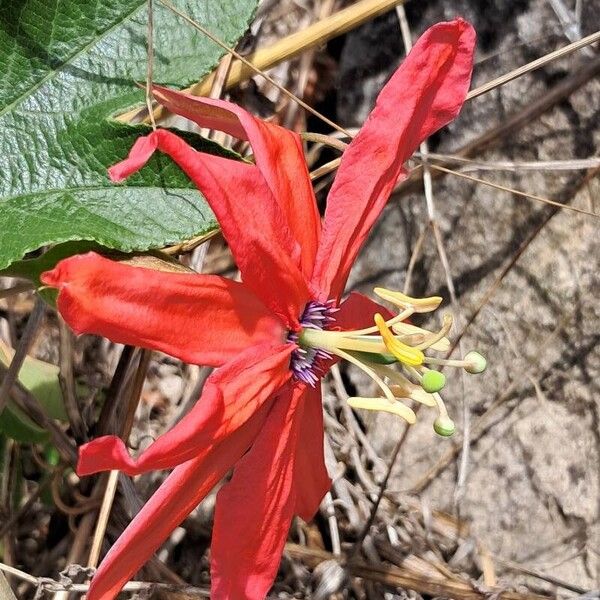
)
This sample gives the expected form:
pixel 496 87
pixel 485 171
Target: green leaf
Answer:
pixel 19 427
pixel 68 66
pixel 41 379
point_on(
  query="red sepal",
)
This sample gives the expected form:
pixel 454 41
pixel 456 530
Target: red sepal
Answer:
pixel 202 319
pixel 231 396
pixel 278 155
pixel 424 94
pixel 255 508
pixel 252 221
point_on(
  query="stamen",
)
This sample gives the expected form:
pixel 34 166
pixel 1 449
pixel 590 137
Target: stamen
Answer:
pixel 418 394
pixel 473 362
pixel 419 305
pixel 404 353
pixel 476 362
pixel 403 387
pixel 396 408
pixel 443 425
pixel 405 314
pixel 370 372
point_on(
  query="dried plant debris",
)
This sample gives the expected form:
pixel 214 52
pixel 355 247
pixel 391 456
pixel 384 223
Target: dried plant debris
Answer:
pixel 511 513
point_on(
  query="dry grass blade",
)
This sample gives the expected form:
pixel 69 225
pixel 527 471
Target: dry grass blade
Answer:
pixel 103 516
pixel 145 587
pixel 575 164
pixel 150 61
pixel 113 478
pixel 15 289
pixel 189 245
pixel 543 576
pixel 252 68
pixel 293 45
pixel 5 591
pixel 516 192
pixel 325 140
pixel 325 169
pixel 532 66
pixel 67 382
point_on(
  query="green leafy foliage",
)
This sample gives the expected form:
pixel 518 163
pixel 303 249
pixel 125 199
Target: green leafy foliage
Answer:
pixel 67 66
pixel 41 379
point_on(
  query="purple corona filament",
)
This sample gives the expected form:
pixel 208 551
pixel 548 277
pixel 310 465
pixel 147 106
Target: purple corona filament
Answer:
pixel 306 361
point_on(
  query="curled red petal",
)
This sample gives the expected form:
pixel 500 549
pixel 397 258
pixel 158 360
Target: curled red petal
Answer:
pixel 278 155
pixel 424 94
pixel 310 476
pixel 202 319
pixel 231 396
pixel 252 222
pixel 168 507
pixel 140 153
pixel 254 510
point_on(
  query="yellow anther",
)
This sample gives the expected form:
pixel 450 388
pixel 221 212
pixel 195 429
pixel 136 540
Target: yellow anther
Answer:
pixel 396 408
pixel 404 353
pixel 420 305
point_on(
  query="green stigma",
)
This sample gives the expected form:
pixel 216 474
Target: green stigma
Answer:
pixel 433 381
pixel 444 426
pixel 476 363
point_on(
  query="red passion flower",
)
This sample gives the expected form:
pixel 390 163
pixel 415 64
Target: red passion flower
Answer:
pixel 275 334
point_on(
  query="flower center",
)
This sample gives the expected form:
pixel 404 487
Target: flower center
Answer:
pixel 306 360
pixel 378 349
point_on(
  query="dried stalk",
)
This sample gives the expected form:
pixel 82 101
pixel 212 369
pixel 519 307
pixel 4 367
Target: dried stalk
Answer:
pixel 19 288
pixel 534 65
pixel 113 478
pixel 404 578
pixel 285 49
pixel 5 592
pixel 67 382
pixel 51 585
pixel 520 193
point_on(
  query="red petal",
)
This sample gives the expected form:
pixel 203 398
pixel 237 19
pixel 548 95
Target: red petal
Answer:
pixel 230 398
pixel 311 478
pixel 167 508
pixel 255 508
pixel 358 311
pixel 423 95
pixel 252 222
pixel 201 319
pixel 278 155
